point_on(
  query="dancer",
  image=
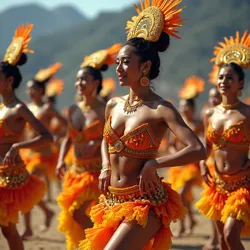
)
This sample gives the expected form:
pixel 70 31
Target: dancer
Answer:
pixel 19 191
pixel 183 179
pixel 85 129
pixel 138 207
pixel 226 199
pixel 41 161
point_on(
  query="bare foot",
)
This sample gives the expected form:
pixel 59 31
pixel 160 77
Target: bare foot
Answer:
pixel 46 226
pixel 27 234
pixel 191 228
pixel 180 233
pixel 210 247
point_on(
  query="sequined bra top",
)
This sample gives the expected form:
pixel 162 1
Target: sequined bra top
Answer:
pixel 236 137
pixel 93 131
pixel 137 143
pixel 7 136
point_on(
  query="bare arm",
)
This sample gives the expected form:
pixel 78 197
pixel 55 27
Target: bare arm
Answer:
pixel 65 147
pixel 193 150
pixel 54 114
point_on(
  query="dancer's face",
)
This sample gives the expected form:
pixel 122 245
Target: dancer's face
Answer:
pixel 185 108
pixel 214 97
pixel 85 83
pixel 129 67
pixel 34 91
pixel 228 82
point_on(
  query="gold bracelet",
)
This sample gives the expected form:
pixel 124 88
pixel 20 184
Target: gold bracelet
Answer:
pixel 106 169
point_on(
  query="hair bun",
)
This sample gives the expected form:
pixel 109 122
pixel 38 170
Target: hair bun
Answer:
pixel 104 67
pixel 163 43
pixel 23 59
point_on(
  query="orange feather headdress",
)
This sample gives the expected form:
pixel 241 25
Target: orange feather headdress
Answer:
pixel 55 87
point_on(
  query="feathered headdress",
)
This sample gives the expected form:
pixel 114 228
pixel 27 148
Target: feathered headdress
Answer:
pixel 45 74
pixel 193 86
pixel 108 87
pixel 19 44
pixel 235 50
pixel 102 57
pixel 55 87
pixel 155 17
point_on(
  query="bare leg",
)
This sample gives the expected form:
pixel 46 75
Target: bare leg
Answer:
pixel 132 236
pixel 49 214
pixel 232 230
pixel 49 195
pixel 11 235
pixel 212 243
pixel 220 231
pixel 80 217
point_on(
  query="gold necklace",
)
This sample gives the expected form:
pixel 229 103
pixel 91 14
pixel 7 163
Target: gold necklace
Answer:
pixel 128 108
pixel 8 102
pixel 230 106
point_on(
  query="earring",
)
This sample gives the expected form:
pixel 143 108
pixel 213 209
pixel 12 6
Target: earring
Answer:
pixel 144 81
pixel 239 93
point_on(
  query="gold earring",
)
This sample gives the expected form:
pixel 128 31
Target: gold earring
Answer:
pixel 239 93
pixel 144 81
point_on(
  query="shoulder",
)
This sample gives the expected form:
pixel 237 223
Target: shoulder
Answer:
pixel 209 112
pixel 114 101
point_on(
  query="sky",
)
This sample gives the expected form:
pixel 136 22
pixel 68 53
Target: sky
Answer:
pixel 90 8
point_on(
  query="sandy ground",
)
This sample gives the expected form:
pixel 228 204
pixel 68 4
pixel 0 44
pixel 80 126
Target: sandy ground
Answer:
pixel 54 240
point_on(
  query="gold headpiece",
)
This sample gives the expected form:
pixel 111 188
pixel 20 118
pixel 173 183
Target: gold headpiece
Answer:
pixel 108 87
pixel 102 57
pixel 235 50
pixel 19 44
pixel 213 75
pixel 193 86
pixel 45 74
pixel 155 18
pixel 55 87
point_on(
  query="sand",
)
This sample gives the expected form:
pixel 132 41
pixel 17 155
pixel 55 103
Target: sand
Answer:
pixel 54 240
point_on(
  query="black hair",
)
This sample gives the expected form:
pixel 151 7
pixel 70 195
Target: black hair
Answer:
pixel 13 70
pixel 149 51
pixel 97 75
pixel 52 99
pixel 190 102
pixel 41 84
pixel 237 69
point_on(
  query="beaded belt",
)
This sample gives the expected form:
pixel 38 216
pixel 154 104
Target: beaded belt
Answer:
pixel 85 165
pixel 227 183
pixel 13 177
pixel 132 194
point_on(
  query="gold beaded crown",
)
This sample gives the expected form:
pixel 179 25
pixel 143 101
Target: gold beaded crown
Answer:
pixel 108 87
pixel 45 74
pixel 102 57
pixel 235 50
pixel 55 87
pixel 193 86
pixel 19 44
pixel 154 18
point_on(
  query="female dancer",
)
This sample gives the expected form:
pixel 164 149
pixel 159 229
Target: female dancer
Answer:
pixel 226 199
pixel 85 130
pixel 19 191
pixel 183 179
pixel 138 206
pixel 41 161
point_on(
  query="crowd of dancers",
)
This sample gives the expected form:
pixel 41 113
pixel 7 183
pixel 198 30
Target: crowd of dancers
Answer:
pixel 106 153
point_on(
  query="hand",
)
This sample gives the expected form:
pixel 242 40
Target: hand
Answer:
pixel 246 165
pixel 9 159
pixel 149 180
pixel 205 173
pixel 104 180
pixel 60 169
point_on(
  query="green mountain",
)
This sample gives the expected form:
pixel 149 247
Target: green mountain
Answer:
pixel 208 22
pixel 45 21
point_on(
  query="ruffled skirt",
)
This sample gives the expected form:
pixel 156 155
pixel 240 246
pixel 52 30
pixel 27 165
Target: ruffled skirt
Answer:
pixel 80 185
pixel 228 196
pixel 126 204
pixel 19 192
pixel 178 176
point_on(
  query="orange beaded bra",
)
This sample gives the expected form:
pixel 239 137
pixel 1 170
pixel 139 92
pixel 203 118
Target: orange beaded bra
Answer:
pixel 7 136
pixel 236 137
pixel 137 143
pixel 91 132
